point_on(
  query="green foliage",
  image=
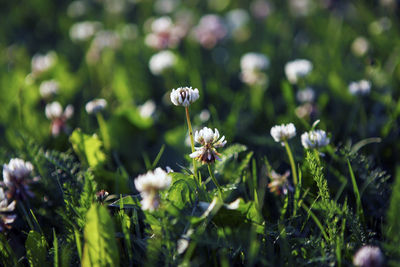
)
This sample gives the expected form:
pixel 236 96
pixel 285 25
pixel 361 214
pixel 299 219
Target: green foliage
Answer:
pixel 36 249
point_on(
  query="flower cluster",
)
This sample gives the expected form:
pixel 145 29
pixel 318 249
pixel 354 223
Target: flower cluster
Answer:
pixel 149 185
pixel 314 139
pixel 209 141
pixel 362 87
pixel 297 69
pixel 164 34
pixel 283 132
pixel 184 96
pixel 252 66
pixel 58 117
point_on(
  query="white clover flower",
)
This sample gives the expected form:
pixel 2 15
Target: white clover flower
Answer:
pixel 314 139
pixel 279 183
pixel 48 88
pixel 210 30
pixel 16 170
pixel 360 46
pixel 83 31
pixel 301 8
pixel 147 109
pixel 283 132
pixel 368 256
pixel 204 115
pixel 184 96
pixel 362 87
pixel 306 95
pixel 209 141
pixel 5 209
pixel 162 61
pixel 260 9
pixel 41 63
pixel 96 105
pixel 164 34
pixel 149 184
pixel 58 117
pixel 4 205
pixel 252 65
pixel 297 69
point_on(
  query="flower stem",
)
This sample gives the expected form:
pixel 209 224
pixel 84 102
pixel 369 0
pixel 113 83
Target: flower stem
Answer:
pixel 292 164
pixel 191 141
pixel 215 181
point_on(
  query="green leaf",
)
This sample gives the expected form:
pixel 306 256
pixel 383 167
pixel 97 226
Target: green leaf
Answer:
pixel 182 193
pixel 128 202
pixel 36 249
pixel 88 148
pixel 7 256
pixel 100 248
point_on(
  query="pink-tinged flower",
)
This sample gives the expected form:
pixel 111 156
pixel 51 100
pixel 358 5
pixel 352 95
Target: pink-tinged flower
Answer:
pixel 368 256
pixel 209 141
pixel 210 30
pixel 6 209
pixel 58 117
pixel 16 176
pixel 164 34
pixel 314 139
pixel 279 183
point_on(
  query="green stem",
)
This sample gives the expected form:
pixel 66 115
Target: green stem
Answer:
pixel 191 142
pixel 215 181
pixel 292 164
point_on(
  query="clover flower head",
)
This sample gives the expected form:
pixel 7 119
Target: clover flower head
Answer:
pixel 147 109
pixel 254 61
pixel 210 140
pixel 368 256
pixel 184 96
pixel 162 61
pixel 164 33
pixel 15 177
pixel 279 183
pixel 48 88
pixel 306 95
pixel 83 31
pixel 297 69
pixel 360 46
pixel 362 87
pixel 149 185
pixel 41 63
pixel 58 117
pixel 283 132
pixel 210 30
pixel 96 105
pixel 5 209
pixel 314 139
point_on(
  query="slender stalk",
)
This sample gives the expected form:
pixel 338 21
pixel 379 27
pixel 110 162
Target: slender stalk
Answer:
pixel 191 141
pixel 292 164
pixel 215 181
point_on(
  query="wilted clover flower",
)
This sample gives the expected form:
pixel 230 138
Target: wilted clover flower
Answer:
pixel 362 87
pixel 297 69
pixel 149 185
pixel 95 105
pixel 15 178
pixel 58 117
pixel 184 96
pixel 279 183
pixel 283 132
pixel 368 256
pixel 209 141
pixel 48 88
pixel 314 139
pixel 161 62
pixel 5 209
pixel 252 65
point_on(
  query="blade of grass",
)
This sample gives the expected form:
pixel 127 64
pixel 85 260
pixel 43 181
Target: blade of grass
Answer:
pixel 360 211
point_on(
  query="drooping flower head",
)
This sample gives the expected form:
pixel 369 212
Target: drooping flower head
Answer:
pixel 297 69
pixel 210 140
pixel 16 178
pixel 161 62
pixel 283 132
pixel 6 218
pixel 368 256
pixel 314 139
pixel 96 105
pixel 362 87
pixel 149 185
pixel 279 183
pixel 184 96
pixel 58 117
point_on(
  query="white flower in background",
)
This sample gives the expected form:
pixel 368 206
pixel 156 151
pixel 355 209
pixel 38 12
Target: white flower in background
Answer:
pixel 83 31
pixel 306 95
pixel 114 6
pixel 96 105
pixel 304 110
pixel 252 66
pixel 368 256
pixel 314 139
pixel 164 34
pixel 58 117
pixel 101 41
pixel 149 185
pixel 15 178
pixel 41 63
pixel 379 26
pixel 237 22
pixel 161 62
pixel 260 9
pixel 165 6
pixel 184 96
pixel 362 87
pixel 283 132
pixel 210 30
pixel 76 9
pixel 301 8
pixel 360 46
pixel 48 88
pixel 279 183
pixel 297 69
pixel 209 141
pixel 147 109
pixel 204 115
pixel 6 207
